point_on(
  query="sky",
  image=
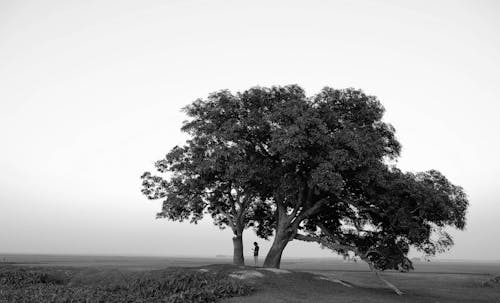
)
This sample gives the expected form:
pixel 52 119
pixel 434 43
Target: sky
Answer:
pixel 91 92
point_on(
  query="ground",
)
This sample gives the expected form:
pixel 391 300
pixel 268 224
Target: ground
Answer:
pixel 427 287
pixel 306 280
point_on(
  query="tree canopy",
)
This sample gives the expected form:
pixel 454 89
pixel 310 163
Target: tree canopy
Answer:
pixel 212 174
pixel 310 168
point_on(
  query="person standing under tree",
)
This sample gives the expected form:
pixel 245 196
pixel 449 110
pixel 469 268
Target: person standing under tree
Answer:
pixel 255 253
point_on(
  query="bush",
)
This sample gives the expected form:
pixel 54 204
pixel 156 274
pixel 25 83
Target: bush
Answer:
pixel 173 285
pixel 493 282
pixel 188 286
pixel 22 277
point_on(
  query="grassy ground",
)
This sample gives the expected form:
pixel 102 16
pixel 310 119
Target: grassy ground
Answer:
pixel 85 285
pixel 306 287
pixel 431 282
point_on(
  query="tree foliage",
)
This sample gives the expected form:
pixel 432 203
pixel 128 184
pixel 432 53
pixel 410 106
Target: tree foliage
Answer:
pixel 211 172
pixel 309 168
pixel 391 212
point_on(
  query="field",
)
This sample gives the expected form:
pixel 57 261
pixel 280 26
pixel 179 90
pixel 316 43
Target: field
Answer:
pixel 104 278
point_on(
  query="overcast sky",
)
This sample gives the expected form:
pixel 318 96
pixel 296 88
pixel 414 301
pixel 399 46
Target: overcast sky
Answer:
pixel 91 92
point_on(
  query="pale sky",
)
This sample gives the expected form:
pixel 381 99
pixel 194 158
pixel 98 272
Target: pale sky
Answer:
pixel 91 92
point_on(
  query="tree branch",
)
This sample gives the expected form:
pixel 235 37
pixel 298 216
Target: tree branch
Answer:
pixel 232 202
pixel 333 246
pixel 300 201
pixel 229 218
pixel 308 212
pixel 389 284
pixel 337 246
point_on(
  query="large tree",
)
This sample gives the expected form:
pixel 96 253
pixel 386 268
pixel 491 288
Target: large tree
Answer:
pixel 303 161
pixel 312 147
pixel 211 174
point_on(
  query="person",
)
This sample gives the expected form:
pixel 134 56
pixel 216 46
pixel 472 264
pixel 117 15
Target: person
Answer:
pixel 255 252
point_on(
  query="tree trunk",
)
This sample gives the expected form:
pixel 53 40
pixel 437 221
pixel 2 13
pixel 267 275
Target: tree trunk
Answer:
pixel 238 258
pixel 273 258
pixel 281 239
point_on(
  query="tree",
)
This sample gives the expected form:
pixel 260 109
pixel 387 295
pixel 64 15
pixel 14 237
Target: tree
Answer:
pixel 303 162
pixel 210 173
pixel 313 146
pixel 390 212
pixel 332 152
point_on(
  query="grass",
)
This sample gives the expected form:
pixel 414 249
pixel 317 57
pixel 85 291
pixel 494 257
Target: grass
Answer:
pixel 20 284
pixel 306 287
pixel 185 280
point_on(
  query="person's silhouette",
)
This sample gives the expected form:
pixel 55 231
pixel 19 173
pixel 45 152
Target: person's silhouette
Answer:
pixel 256 253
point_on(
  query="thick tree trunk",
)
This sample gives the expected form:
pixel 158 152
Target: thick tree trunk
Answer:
pixel 281 239
pixel 238 258
pixel 273 258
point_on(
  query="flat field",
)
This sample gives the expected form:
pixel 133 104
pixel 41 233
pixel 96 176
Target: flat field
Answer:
pixel 436 281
